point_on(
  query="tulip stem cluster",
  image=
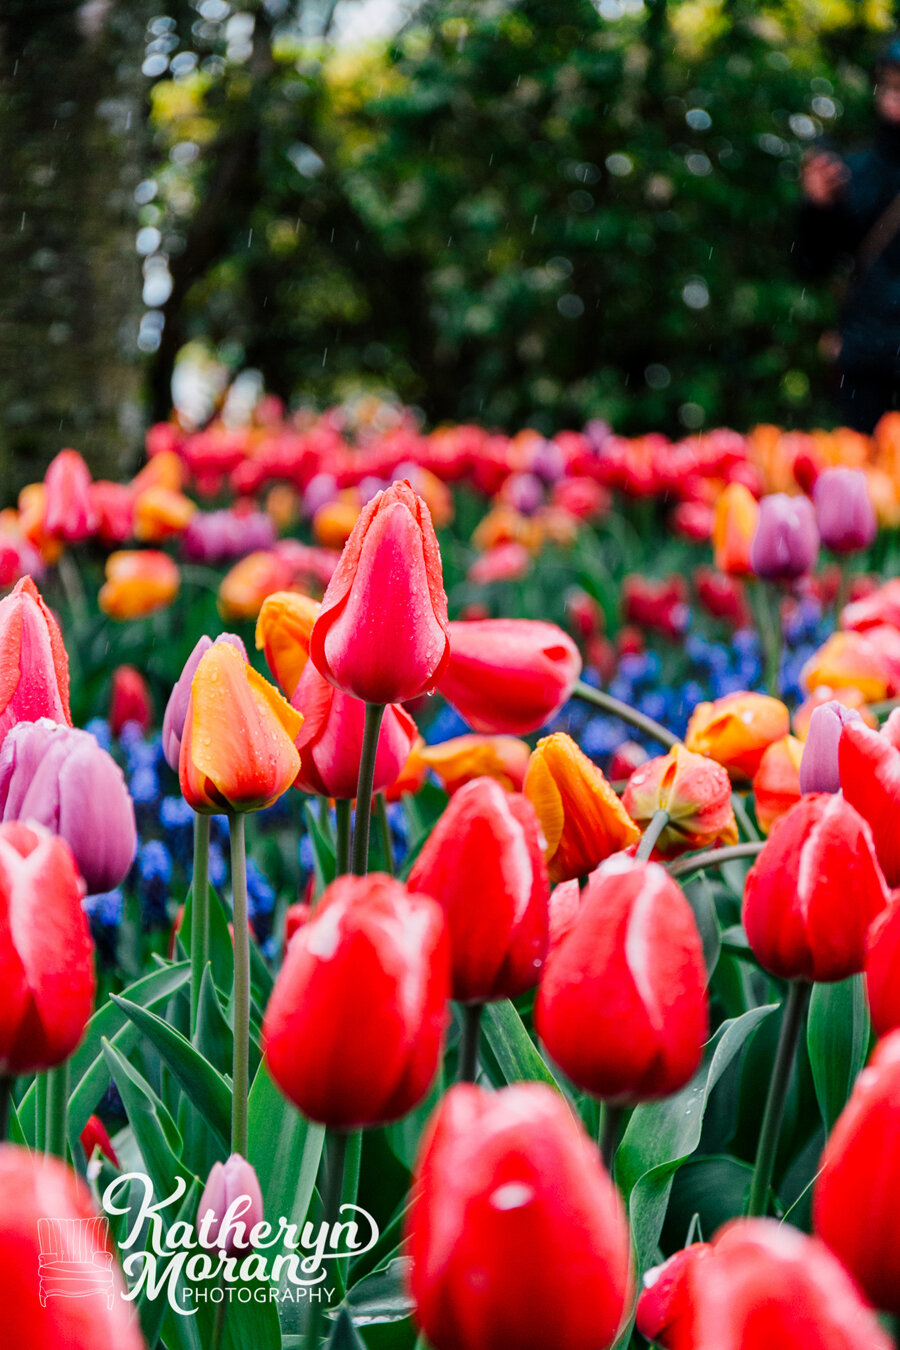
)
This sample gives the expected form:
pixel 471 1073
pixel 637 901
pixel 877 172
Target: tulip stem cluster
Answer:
pixel 469 1042
pixel 374 715
pixel 342 853
pixel 57 1103
pixel 199 911
pixel 714 857
pixel 599 699
pixel 332 1190
pixel 782 1069
pixel 241 1063
pixel 658 822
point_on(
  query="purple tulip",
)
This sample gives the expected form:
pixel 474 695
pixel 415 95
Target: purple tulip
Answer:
pixel 61 778
pixel 786 542
pixel 819 771
pixel 524 491
pixel 220 536
pixel 844 510
pixel 233 1197
pixel 321 488
pixel 180 697
pixel 548 461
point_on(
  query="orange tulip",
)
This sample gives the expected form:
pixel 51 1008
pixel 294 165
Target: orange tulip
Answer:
pixel 285 622
pixel 160 513
pixel 776 784
pixel 735 730
pixel 850 660
pixel 696 793
pixel 243 589
pixel 455 762
pixel 582 818
pixel 237 752
pixel 734 526
pixel 333 523
pixel 163 470
pixel 412 775
pixel 138 581
pixel 32 517
pixel 823 693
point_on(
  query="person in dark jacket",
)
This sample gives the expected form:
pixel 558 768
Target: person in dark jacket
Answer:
pixel 850 219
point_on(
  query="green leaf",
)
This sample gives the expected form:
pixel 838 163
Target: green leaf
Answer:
pixel 285 1149
pixel 323 849
pixel 203 1085
pixel 700 898
pixel 660 1135
pixel 382 1296
pixel 344 1335
pixel 215 1039
pixel 837 1037
pixel 154 1130
pixel 517 1056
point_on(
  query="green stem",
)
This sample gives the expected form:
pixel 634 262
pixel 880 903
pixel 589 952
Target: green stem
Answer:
pixel 40 1112
pixel 57 1105
pixel 219 1325
pixel 469 1042
pixel 335 1158
pixel 374 714
pixel 610 1126
pixel 241 1065
pixel 742 816
pixel 387 846
pixel 199 912
pixel 6 1087
pixel 342 855
pixel 599 699
pixel 767 609
pixel 658 822
pixel 782 1069
pixel 714 857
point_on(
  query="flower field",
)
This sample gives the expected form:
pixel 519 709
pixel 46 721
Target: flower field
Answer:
pixel 447 890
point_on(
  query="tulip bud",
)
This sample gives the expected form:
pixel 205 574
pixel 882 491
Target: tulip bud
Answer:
pixel 776 783
pixel 46 953
pixel 760 1285
pixel 160 513
pixel 734 525
pixel 463 758
pixel 70 513
pixel 230 1207
pixel 540 1254
pixel 39 1311
pixel 735 731
pixel 819 769
pixel 138 582
pixel 283 630
pixel 113 505
pixel 694 791
pixel 883 969
pixel 180 697
pixel 582 818
pixel 844 510
pixel 246 586
pixel 855 1196
pixel 786 542
pixel 498 928
pixel 95 1136
pixel 354 1027
pixel 62 779
pixel 331 739
pixel 509 675
pixel 869 763
pixel 34 667
pixel 796 912
pixel 129 700
pixel 381 634
pixel 622 1004
pixel 237 752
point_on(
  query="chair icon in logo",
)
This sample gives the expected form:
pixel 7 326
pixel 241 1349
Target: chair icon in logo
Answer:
pixel 74 1261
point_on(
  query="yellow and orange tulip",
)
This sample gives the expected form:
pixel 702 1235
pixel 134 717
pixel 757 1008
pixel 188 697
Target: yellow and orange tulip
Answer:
pixel 138 581
pixel 285 622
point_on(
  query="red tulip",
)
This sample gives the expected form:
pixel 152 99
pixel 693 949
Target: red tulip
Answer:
pixel 381 634
pixel 869 763
pixel 883 969
pixel 70 513
pixel 34 667
pixel 759 1285
pixel 517 1236
pixel 113 505
pixel 813 891
pixel 40 1200
pixel 330 740
pixel 130 700
pixel 622 1004
pixel 94 1135
pixel 657 605
pixel 509 675
pixel 46 953
pixel 483 863
pixel 354 1028
pixel 858 1187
